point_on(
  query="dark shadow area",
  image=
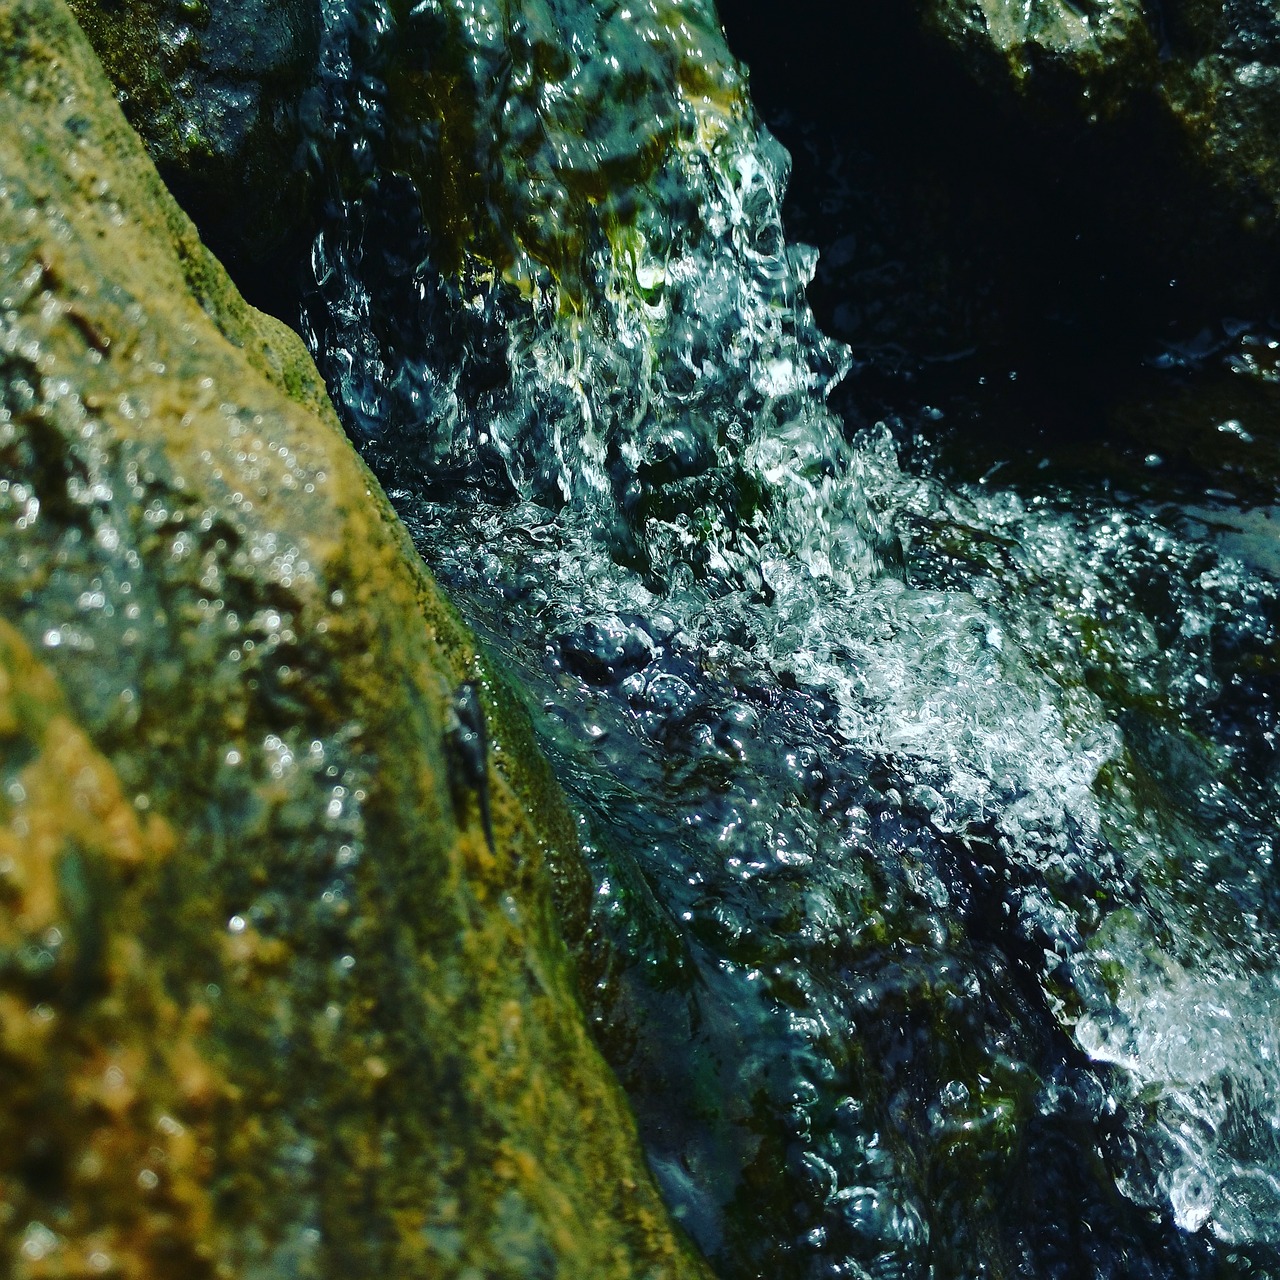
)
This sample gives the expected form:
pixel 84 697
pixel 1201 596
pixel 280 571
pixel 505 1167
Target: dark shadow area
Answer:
pixel 1070 291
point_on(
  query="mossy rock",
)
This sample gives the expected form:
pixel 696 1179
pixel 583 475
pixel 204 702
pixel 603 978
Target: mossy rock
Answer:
pixel 270 1001
pixel 528 129
pixel 1221 82
pixel 216 88
pixel 239 115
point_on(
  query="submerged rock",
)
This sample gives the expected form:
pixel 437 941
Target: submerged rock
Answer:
pixel 271 1002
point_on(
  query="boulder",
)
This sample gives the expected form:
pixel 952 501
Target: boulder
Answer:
pixel 282 991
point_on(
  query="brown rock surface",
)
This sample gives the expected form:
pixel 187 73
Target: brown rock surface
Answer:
pixel 269 1002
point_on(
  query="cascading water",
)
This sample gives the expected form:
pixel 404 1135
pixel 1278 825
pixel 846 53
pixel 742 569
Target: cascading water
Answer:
pixel 931 824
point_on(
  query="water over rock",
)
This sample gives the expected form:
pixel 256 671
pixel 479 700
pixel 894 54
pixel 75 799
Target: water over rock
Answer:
pixel 271 1003
pixel 923 817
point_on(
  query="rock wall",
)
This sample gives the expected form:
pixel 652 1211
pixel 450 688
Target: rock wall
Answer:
pixel 271 1002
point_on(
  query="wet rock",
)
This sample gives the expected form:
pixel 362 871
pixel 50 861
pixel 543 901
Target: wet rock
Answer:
pixel 216 90
pixel 271 1002
pixel 607 650
pixel 1026 273
pixel 1223 85
pixel 1198 83
pixel 1090 43
pixel 491 165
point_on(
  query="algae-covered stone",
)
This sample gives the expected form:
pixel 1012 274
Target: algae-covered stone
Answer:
pixel 216 88
pixel 270 1001
pixel 510 138
pixel 1221 81
pixel 109 1096
pixel 527 128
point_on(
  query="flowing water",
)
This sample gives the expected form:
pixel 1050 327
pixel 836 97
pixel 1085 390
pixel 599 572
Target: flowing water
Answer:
pixel 931 820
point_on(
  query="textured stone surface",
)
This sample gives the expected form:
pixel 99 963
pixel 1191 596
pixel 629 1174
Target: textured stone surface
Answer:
pixel 217 90
pixel 270 1004
pixel 1222 82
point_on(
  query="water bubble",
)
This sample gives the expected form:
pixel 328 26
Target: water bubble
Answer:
pixel 1191 1195
pixel 38 1242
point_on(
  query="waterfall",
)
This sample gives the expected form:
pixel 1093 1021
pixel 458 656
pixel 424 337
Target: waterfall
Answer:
pixel 934 885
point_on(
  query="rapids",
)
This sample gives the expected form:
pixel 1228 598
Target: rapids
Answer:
pixel 931 819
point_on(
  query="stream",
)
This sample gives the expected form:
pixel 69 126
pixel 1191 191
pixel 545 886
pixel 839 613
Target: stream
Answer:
pixel 926 777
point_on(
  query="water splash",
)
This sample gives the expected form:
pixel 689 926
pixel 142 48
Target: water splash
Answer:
pixel 907 801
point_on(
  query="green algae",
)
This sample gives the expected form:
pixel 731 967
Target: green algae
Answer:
pixel 361 1015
